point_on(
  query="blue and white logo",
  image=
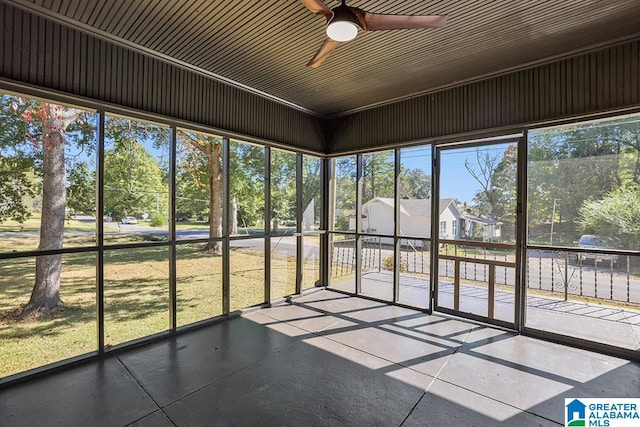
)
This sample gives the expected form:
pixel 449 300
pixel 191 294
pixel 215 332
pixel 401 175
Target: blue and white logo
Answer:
pixel 607 412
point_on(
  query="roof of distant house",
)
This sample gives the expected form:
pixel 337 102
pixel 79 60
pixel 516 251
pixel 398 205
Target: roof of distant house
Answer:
pixel 415 207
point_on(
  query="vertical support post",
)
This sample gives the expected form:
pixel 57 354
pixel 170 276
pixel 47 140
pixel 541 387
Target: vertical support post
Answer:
pixel 226 246
pixel 358 243
pixel 172 230
pixel 492 291
pixel 397 261
pixel 100 231
pixel 299 217
pixel 325 222
pixel 434 255
pixel 521 235
pixel 330 203
pixel 456 285
pixel 267 225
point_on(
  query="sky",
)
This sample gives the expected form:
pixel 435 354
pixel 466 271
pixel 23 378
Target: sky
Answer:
pixel 455 180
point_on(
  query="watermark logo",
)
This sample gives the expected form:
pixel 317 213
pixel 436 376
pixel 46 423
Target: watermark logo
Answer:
pixel 624 412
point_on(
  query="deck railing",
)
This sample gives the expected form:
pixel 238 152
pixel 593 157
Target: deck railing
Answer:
pixel 563 272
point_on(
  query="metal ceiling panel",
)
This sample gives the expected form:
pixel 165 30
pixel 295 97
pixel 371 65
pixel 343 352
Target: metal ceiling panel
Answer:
pixel 266 44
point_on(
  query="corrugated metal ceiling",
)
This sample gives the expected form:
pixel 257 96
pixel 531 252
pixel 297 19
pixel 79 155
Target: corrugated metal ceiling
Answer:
pixel 266 44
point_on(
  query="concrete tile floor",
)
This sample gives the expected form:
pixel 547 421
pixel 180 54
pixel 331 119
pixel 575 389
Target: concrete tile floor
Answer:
pixel 326 359
pixel 617 326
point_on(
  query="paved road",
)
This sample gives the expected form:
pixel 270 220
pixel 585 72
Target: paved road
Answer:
pixel 281 244
pixel 545 270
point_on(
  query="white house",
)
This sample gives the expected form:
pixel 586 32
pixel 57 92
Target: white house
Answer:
pixel 415 220
pixel 476 227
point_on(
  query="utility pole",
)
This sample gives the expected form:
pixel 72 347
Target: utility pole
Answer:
pixel 553 220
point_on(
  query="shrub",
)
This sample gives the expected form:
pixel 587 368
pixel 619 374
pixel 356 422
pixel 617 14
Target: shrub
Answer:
pixel 158 220
pixel 387 264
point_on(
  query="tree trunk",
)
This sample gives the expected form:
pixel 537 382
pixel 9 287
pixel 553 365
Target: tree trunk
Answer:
pixel 46 290
pixel 215 196
pixel 233 217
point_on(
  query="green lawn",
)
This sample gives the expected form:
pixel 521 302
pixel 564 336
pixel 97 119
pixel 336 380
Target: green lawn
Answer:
pixel 136 298
pixel 192 225
pixel 23 237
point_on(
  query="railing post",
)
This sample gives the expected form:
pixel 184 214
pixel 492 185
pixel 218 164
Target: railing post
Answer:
pixel 611 279
pixel 456 285
pixel 566 276
pixel 380 254
pixel 492 291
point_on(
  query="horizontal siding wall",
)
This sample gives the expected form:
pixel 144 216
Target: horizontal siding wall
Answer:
pixel 39 52
pixel 595 82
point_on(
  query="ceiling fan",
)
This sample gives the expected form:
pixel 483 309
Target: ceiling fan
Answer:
pixel 343 22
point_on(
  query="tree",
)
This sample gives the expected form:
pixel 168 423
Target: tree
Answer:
pixel 572 164
pixel 81 188
pixel 377 175
pixel 16 182
pixel 345 191
pixel 246 184
pixel 55 121
pixel 18 157
pixel 311 181
pixel 33 140
pixel 505 190
pixel 617 215
pixel 133 181
pixel 200 178
pixel 482 171
pixel 414 184
pixel 283 187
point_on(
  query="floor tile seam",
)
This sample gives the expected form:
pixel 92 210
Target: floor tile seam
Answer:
pixel 319 334
pixel 391 362
pixel 354 315
pixel 135 378
pixel 424 393
pixel 439 378
pixel 159 409
pixel 286 322
pixel 448 358
pixel 433 378
pixel 413 408
pixel 224 377
pixel 498 400
pixel 631 326
pixel 373 355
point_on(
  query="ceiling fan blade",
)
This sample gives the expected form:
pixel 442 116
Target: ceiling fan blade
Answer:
pixel 323 53
pixel 377 21
pixel 317 7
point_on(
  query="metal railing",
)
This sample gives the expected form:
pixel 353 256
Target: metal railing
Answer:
pixel 377 254
pixel 590 274
pixel 565 272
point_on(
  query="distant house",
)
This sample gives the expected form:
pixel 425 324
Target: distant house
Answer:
pixel 415 220
pixel 478 228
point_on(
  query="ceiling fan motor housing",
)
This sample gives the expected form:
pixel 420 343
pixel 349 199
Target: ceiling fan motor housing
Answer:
pixel 343 24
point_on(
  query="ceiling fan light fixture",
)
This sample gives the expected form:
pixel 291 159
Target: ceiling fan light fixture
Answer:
pixel 344 22
pixel 342 31
pixel 343 26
